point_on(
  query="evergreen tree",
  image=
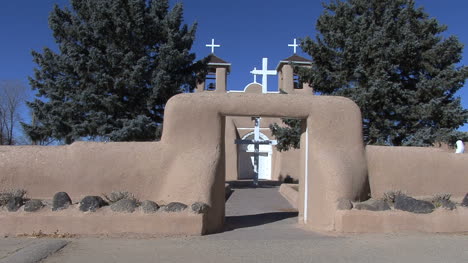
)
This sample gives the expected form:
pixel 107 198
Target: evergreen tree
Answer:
pixel 288 136
pixel 119 61
pixel 390 58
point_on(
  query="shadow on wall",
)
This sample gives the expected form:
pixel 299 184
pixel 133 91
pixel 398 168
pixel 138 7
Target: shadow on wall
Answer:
pixel 366 193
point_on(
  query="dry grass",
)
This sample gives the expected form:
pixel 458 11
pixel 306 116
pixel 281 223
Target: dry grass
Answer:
pixel 391 195
pixel 41 234
pixel 439 199
pixel 7 195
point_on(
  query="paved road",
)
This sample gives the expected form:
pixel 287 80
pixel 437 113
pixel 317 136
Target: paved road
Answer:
pixel 24 250
pixel 261 228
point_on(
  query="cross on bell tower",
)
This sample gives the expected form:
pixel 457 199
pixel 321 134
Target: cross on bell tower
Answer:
pixel 218 69
pixel 294 45
pixel 212 46
pixel 289 81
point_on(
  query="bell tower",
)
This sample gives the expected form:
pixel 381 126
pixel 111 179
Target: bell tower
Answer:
pixel 288 81
pixel 218 69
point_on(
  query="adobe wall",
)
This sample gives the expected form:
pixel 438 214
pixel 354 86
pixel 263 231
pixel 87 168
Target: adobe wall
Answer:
pixel 188 165
pixel 102 222
pixel 394 221
pixel 419 171
pixel 335 145
pixel 84 168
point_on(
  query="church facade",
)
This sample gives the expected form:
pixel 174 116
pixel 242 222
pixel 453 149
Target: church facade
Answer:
pixel 273 165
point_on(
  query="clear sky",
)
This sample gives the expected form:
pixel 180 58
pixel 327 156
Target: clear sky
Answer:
pixel 246 30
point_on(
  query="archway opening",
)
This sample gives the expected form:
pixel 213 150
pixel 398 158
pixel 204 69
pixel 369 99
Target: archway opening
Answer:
pixel 250 205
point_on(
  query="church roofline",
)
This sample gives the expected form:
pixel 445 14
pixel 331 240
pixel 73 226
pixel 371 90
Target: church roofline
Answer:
pixel 295 59
pixel 219 64
pixel 216 61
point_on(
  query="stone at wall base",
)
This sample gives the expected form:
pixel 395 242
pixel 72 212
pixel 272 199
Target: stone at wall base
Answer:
pixel 149 206
pixel 409 204
pixel 91 203
pixel 465 201
pixel 124 205
pixel 373 205
pixel 33 205
pixel 14 204
pixel 200 208
pixel 174 207
pixel 60 201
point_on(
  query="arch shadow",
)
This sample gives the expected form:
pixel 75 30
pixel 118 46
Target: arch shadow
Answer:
pixel 243 221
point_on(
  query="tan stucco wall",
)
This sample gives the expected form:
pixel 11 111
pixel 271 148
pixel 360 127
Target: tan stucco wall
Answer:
pixel 291 193
pixel 101 222
pixel 335 143
pixel 188 165
pixel 253 88
pixel 418 171
pixel 84 168
pixel 439 221
pixel 231 153
pixel 286 79
pixel 221 79
pixel 287 164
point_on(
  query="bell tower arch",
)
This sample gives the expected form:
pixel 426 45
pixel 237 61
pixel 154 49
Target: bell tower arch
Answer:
pixel 218 69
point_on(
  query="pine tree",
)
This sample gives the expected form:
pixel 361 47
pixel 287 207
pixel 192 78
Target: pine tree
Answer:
pixel 119 61
pixel 391 59
pixel 289 135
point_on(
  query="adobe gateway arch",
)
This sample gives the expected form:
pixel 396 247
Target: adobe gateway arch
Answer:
pixel 332 151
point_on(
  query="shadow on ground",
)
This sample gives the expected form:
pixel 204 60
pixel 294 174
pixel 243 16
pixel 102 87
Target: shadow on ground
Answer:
pixel 235 222
pixel 240 184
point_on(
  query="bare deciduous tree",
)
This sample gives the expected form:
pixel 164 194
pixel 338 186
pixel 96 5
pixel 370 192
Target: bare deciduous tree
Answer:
pixel 12 95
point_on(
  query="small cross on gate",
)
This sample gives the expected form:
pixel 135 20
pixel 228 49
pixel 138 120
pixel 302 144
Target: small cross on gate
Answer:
pixel 256 142
pixel 212 46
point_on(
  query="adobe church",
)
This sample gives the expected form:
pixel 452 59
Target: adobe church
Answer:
pixel 240 162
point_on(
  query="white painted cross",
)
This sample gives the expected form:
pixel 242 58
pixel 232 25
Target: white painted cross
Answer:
pixel 255 76
pixel 212 46
pixel 256 142
pixel 295 45
pixel 265 73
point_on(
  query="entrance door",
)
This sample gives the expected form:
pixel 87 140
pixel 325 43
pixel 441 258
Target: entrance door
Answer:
pixel 246 159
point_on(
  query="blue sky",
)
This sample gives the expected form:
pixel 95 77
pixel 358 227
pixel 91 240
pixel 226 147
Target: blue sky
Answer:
pixel 246 30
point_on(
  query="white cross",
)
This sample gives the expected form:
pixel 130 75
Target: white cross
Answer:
pixel 264 72
pixel 256 142
pixel 255 76
pixel 295 45
pixel 212 46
